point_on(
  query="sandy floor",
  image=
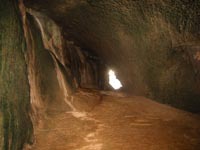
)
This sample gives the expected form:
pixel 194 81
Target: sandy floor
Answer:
pixel 120 123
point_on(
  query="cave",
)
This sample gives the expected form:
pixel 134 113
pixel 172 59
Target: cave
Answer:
pixel 99 74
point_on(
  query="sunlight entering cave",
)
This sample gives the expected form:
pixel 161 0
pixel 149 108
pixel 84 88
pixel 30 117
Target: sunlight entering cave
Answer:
pixel 113 81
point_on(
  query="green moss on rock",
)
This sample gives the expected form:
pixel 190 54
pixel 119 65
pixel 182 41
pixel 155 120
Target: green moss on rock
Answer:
pixel 15 98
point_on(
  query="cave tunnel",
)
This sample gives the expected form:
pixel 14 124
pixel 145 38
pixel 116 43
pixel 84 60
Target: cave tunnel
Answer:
pixel 99 74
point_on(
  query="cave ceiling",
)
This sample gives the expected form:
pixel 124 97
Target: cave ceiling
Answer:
pixel 149 43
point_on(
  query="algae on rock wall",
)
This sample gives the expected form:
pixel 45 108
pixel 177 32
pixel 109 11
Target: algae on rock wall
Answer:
pixel 17 126
pixel 1 131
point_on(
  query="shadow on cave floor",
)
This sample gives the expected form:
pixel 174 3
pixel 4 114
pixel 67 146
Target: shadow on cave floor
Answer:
pixel 120 122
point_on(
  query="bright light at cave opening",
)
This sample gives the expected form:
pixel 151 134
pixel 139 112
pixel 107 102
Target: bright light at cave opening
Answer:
pixel 113 81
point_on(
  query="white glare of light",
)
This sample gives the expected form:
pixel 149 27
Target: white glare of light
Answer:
pixel 113 81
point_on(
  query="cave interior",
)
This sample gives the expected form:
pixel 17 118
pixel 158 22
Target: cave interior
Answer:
pixel 99 74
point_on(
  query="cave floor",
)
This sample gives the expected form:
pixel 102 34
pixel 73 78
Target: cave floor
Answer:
pixel 120 123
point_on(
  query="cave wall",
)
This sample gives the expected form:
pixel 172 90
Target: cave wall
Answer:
pixel 56 67
pixel 40 73
pixel 50 48
pixel 82 67
pixel 15 94
pixel 1 130
pixel 152 45
pixel 46 94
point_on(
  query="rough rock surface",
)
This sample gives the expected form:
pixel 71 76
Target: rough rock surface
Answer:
pixel 14 86
pixel 152 45
pixel 50 49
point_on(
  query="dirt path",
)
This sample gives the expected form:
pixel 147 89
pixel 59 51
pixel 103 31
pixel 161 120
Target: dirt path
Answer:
pixel 120 123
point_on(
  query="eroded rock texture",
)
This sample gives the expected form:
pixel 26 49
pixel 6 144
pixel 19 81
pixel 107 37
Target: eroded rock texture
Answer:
pixel 40 71
pixel 56 66
pixel 51 48
pixel 152 45
pixel 15 95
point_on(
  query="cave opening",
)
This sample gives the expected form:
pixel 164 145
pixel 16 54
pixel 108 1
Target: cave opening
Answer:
pixel 113 81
